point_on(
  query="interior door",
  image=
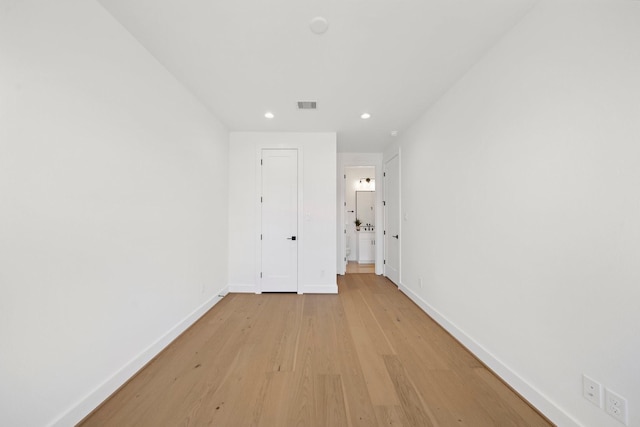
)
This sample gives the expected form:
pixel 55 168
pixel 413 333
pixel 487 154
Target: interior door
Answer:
pixel 279 220
pixel 347 222
pixel 392 219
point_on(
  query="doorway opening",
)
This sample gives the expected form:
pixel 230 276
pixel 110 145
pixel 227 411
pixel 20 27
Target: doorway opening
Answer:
pixel 360 219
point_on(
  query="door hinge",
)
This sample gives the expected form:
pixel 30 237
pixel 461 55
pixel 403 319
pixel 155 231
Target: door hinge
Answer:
pixel 384 232
pixel 384 174
pixel 261 237
pixel 260 162
pixel 345 203
pixel 260 199
pixel 345 177
pixel 345 231
pixel 345 258
pixel 384 262
pixel 384 203
pixel 261 274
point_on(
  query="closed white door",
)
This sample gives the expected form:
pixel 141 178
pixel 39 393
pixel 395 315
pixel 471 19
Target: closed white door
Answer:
pixel 279 220
pixel 392 220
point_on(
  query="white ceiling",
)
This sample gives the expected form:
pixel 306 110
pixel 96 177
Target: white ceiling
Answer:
pixel 391 58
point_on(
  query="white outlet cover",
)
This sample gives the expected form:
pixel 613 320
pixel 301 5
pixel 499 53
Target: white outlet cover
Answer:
pixel 592 391
pixel 615 405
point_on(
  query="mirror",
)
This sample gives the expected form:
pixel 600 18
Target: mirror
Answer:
pixel 365 209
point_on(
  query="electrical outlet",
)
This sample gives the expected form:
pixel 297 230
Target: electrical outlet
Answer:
pixel 615 405
pixel 592 391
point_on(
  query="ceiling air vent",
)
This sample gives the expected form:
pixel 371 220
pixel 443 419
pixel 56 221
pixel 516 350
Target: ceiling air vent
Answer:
pixel 307 105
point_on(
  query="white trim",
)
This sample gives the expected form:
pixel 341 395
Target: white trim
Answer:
pixel 319 289
pixel 258 272
pixel 400 214
pixel 98 395
pixel 300 215
pixel 244 289
pixel 331 288
pixel 534 396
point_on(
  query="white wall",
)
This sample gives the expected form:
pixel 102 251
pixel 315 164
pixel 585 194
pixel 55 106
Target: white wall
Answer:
pixel 113 194
pixel 316 236
pixel 525 224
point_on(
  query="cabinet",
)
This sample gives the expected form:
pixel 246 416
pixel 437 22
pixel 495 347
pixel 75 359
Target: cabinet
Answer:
pixel 366 247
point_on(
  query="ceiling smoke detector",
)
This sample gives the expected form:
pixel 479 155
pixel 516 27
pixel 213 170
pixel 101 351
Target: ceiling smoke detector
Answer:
pixel 307 105
pixel 319 25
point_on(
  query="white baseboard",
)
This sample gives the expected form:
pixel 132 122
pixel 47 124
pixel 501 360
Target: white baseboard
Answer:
pixel 534 396
pixel 87 404
pixel 243 289
pixel 331 288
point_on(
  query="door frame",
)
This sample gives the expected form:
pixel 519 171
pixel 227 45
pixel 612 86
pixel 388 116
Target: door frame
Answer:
pixel 346 160
pixel 258 213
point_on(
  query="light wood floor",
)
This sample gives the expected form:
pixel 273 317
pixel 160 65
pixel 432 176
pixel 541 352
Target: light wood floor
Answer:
pixel 366 357
pixel 354 267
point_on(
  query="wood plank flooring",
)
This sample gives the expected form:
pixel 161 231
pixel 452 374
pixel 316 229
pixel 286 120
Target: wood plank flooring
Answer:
pixel 354 267
pixel 365 357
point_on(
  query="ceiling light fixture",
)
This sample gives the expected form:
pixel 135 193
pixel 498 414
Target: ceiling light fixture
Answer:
pixel 269 115
pixel 365 116
pixel 394 133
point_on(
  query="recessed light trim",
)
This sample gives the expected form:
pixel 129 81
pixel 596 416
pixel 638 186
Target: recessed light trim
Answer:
pixel 365 116
pixel 394 133
pixel 269 115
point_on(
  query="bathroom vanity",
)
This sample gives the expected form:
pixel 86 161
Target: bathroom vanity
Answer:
pixel 366 246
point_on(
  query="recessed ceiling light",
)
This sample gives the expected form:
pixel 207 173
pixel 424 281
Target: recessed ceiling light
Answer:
pixel 394 133
pixel 365 115
pixel 269 115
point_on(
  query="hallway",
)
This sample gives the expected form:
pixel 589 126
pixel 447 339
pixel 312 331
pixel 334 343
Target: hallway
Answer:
pixel 355 268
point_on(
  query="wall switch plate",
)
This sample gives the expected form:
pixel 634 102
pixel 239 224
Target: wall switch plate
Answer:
pixel 615 405
pixel 592 391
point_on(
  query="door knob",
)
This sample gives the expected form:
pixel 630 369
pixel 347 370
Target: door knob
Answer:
pixel 396 236
pixel 291 238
